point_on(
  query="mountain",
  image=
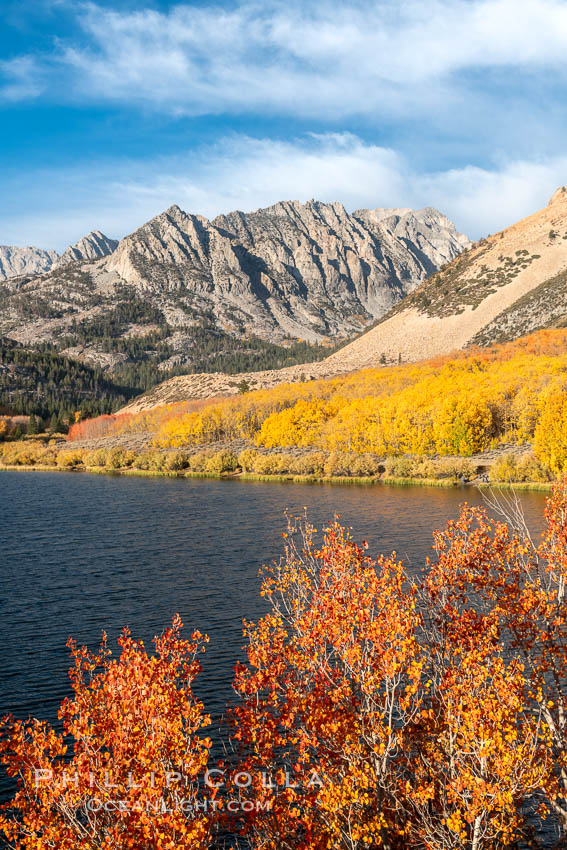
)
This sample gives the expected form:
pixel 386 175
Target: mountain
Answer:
pixel 309 271
pixel 501 288
pixel 20 261
pixel 16 262
pixel 244 292
pixel 90 247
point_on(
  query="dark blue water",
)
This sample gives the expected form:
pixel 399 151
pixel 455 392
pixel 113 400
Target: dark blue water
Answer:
pixel 82 553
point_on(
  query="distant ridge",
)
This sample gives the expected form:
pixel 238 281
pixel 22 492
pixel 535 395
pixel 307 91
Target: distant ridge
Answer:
pixel 310 270
pixel 15 261
pixel 237 291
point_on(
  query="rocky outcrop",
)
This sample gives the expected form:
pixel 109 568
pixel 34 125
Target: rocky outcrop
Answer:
pixel 310 270
pixel 15 261
pixel 90 247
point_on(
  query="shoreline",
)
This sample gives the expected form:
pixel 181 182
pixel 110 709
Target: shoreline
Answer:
pixel 371 480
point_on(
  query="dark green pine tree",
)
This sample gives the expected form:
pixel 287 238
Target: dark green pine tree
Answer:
pixel 32 425
pixel 54 424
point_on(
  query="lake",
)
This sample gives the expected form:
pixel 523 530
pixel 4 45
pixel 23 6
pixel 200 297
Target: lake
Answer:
pixel 82 553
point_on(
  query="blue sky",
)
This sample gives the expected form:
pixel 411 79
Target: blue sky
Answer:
pixel 112 111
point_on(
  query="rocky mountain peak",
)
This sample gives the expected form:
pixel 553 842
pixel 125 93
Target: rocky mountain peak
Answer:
pixel 311 271
pixel 503 287
pixel 559 195
pixel 93 246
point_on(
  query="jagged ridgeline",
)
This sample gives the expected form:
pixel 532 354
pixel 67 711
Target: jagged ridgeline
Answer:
pixel 243 293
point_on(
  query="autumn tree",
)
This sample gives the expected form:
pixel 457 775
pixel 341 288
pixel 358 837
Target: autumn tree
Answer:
pixel 523 587
pixel 330 693
pixel 124 771
pixel 423 714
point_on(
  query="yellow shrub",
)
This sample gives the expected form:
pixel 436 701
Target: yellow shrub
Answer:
pixel 151 461
pixel 223 461
pixel 175 461
pixel 96 457
pixel 198 461
pixel 119 458
pixel 276 464
pixel 70 459
pixel 247 459
pixel 524 467
pixel 398 467
pixel 311 464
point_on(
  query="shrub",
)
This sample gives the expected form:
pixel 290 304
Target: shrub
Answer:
pixel 247 459
pixel 96 457
pixel 504 468
pixel 223 461
pixel 455 467
pixel 426 467
pixel 364 464
pixel 337 463
pixel 152 461
pixel 532 469
pixel 310 464
pixel 398 467
pixel 345 463
pixel 27 453
pixel 46 458
pixel 175 461
pixel 119 458
pixel 524 467
pixel 276 464
pixel 198 461
pixel 69 459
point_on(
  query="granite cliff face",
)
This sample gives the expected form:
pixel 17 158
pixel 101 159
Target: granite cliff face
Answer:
pixel 499 289
pixel 16 261
pixel 291 270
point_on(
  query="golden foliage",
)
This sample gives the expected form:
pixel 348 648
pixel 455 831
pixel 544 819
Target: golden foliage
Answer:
pixel 456 405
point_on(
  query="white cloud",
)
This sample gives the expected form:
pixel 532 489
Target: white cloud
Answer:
pixel 245 173
pixel 21 79
pixel 322 58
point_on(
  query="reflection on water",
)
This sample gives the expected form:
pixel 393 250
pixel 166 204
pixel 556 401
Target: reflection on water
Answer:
pixel 83 553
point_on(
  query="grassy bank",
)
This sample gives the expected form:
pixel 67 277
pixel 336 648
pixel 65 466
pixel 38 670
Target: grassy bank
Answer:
pixel 299 479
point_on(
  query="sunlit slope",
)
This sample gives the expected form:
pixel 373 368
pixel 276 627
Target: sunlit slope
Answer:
pixel 483 296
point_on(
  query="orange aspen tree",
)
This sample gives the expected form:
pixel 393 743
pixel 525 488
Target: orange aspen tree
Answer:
pixel 129 777
pixel 516 589
pixel 329 695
